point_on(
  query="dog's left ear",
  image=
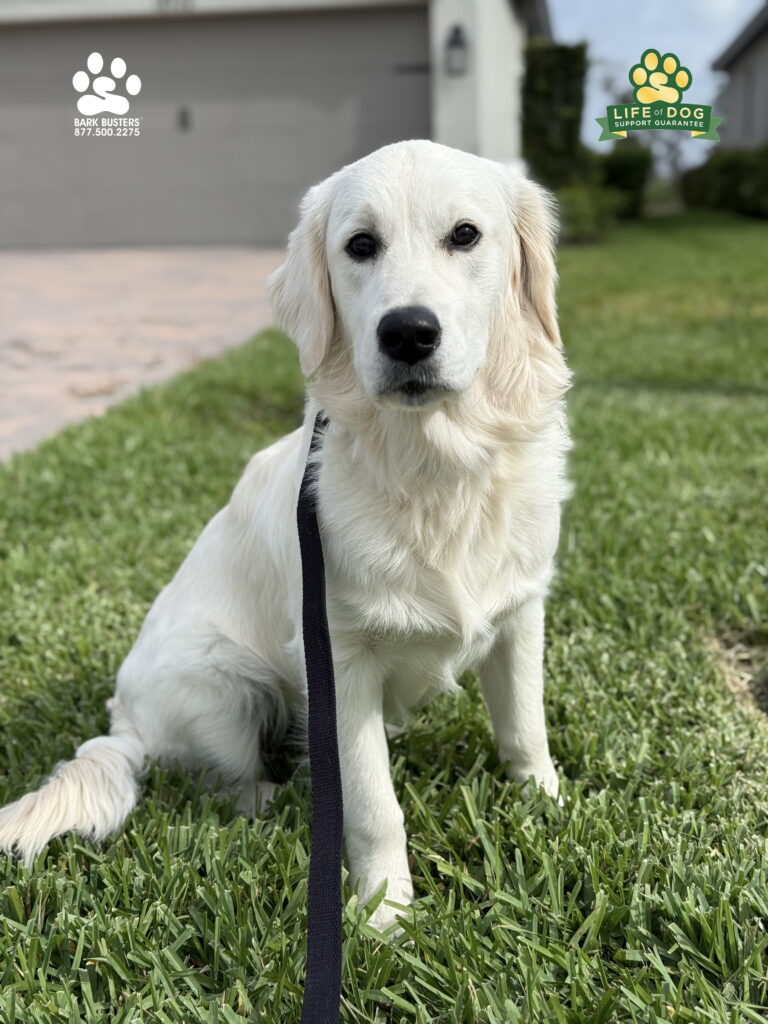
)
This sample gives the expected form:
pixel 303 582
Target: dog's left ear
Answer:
pixel 536 225
pixel 300 289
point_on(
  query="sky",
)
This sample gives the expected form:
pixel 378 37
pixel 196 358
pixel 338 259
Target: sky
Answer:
pixel 617 32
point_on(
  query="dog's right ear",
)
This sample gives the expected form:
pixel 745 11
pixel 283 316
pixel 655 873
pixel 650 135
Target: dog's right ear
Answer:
pixel 300 289
pixel 537 230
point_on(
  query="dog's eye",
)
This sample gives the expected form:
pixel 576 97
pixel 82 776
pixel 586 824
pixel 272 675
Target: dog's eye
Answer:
pixel 362 246
pixel 464 236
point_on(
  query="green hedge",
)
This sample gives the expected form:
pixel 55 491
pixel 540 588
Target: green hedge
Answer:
pixel 553 98
pixel 626 170
pixel 735 179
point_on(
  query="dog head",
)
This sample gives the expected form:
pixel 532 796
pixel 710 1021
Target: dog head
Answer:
pixel 418 270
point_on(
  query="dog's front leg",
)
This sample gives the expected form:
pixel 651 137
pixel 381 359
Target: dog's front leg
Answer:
pixel 512 679
pixel 374 834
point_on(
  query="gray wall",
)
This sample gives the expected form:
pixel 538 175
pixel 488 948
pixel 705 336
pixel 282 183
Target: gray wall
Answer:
pixel 746 114
pixel 276 102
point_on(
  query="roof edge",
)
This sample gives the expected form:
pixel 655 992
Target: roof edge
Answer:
pixel 535 16
pixel 747 35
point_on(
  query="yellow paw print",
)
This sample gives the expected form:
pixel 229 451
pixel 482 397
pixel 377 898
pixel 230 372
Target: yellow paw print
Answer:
pixel 659 79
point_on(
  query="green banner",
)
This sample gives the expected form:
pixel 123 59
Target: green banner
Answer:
pixel 622 118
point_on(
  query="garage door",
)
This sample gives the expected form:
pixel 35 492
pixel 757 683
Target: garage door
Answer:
pixel 239 116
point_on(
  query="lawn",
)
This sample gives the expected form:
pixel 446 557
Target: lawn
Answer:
pixel 644 898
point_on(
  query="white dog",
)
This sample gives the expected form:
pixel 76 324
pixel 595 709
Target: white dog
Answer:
pixel 419 287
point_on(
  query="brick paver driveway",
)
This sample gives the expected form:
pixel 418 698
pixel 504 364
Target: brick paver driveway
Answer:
pixel 81 329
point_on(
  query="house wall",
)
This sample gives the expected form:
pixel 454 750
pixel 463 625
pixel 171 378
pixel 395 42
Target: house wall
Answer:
pixel 480 110
pixel 746 113
pixel 454 97
pixel 501 38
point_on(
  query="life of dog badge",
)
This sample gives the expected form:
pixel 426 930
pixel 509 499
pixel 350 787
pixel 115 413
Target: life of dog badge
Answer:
pixel 658 83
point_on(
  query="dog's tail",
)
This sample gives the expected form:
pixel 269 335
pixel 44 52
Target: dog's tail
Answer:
pixel 92 794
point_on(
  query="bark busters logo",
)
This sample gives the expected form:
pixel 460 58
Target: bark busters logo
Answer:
pixel 105 94
pixel 103 98
pixel 658 84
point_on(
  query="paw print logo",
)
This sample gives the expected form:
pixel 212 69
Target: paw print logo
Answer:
pixel 103 97
pixel 658 79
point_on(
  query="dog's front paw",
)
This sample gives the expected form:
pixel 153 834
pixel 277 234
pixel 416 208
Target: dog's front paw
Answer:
pixel 384 919
pixel 398 895
pixel 544 775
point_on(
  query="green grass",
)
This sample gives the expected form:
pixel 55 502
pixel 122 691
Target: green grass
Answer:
pixel 643 899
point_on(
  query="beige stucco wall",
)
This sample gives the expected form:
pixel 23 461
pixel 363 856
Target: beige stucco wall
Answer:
pixel 480 110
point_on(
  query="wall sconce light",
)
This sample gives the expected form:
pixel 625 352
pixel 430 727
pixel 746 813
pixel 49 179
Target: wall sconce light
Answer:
pixel 456 51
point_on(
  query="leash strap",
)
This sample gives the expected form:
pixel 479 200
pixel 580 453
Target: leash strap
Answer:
pixel 322 988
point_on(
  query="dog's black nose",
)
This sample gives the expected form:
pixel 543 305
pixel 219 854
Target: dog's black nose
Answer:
pixel 409 334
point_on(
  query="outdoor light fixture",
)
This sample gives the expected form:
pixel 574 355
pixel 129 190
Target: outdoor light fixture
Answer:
pixel 456 51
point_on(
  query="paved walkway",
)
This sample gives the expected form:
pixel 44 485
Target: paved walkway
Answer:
pixel 82 329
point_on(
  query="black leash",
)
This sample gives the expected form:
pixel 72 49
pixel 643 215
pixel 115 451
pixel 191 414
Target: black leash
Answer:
pixel 322 988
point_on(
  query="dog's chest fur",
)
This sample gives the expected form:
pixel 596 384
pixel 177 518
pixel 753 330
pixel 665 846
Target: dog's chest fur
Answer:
pixel 424 574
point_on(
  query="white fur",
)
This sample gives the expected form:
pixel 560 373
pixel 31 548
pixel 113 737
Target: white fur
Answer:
pixel 439 517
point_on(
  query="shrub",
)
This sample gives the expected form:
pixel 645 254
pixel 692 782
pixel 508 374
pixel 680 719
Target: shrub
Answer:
pixel 735 179
pixel 586 210
pixel 553 97
pixel 626 170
